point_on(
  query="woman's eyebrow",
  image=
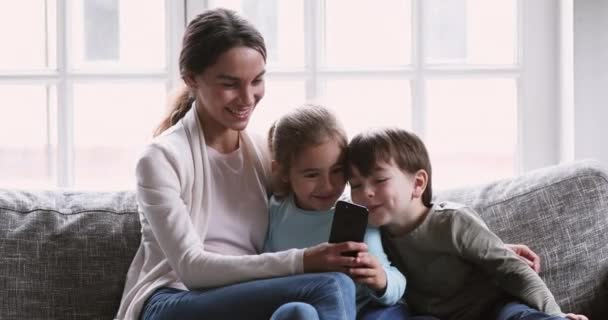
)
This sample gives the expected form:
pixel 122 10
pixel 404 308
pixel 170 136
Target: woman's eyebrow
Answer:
pixel 233 78
pixel 227 77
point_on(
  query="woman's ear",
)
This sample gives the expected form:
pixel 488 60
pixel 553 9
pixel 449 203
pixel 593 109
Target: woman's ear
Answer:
pixel 421 179
pixel 190 81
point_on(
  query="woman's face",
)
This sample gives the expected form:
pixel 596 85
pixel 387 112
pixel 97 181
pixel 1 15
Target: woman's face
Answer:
pixel 228 91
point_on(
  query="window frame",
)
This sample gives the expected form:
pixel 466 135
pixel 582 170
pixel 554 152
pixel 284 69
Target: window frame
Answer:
pixel 64 76
pixel 537 71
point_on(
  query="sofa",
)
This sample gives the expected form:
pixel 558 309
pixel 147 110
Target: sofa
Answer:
pixel 64 254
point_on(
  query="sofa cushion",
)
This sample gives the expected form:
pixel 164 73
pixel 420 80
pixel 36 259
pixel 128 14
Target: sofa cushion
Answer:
pixel 561 212
pixel 64 255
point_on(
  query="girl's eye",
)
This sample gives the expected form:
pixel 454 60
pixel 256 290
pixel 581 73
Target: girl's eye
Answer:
pixel 311 175
pixel 355 186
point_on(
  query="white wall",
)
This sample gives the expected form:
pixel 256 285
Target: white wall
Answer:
pixel 591 79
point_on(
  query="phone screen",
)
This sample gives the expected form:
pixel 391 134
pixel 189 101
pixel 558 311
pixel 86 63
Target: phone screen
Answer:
pixel 350 222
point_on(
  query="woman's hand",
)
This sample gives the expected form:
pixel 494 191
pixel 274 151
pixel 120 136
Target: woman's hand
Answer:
pixel 328 256
pixel 576 316
pixel 369 272
pixel 526 254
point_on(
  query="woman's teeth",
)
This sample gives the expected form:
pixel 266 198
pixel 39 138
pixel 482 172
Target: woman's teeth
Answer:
pixel 241 113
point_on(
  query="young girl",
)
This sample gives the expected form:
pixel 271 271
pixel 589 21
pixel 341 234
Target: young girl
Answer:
pixel 308 147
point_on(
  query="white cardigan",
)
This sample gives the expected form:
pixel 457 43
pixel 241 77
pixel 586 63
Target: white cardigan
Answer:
pixel 174 209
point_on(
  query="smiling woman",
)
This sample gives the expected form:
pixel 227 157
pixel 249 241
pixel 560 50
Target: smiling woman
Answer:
pixel 202 188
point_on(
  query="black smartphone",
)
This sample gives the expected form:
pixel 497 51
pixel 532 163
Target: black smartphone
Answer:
pixel 350 222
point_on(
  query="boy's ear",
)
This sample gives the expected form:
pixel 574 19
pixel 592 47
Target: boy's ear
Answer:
pixel 420 181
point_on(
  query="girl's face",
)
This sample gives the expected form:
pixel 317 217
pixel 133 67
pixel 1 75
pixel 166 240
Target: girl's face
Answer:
pixel 229 90
pixel 316 176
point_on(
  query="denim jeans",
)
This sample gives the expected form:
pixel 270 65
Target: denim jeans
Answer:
pixel 307 296
pixel 395 312
pixel 520 311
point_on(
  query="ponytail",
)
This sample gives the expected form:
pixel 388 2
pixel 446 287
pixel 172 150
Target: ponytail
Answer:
pixel 180 103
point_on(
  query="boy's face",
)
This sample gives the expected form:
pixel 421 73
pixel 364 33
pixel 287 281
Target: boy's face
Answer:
pixel 386 192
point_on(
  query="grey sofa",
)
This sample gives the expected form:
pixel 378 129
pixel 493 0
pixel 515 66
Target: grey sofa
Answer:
pixel 64 255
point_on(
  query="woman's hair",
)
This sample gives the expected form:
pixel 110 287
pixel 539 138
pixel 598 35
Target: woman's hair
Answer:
pixel 305 126
pixel 407 151
pixel 206 38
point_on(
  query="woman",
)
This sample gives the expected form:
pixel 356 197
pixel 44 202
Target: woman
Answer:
pixel 202 190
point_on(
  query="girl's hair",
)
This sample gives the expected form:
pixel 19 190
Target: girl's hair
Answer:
pixel 206 38
pixel 407 151
pixel 305 126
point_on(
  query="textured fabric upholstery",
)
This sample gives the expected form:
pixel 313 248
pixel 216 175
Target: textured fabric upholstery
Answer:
pixel 562 214
pixel 64 255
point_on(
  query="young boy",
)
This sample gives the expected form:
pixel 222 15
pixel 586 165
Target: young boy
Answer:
pixel 455 266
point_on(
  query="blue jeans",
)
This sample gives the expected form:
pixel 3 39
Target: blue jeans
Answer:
pixel 395 312
pixel 520 311
pixel 307 296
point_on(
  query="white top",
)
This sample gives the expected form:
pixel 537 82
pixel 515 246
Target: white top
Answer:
pixel 174 199
pixel 239 227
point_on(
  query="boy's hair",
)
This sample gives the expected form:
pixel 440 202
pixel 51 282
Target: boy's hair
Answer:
pixel 404 148
pixel 305 126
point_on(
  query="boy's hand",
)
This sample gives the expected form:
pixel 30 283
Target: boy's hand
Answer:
pixel 369 272
pixel 526 254
pixel 576 316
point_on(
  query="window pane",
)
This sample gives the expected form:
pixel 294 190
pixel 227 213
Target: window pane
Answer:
pixel 23 32
pixel 112 122
pixel 472 130
pixel 281 96
pixel 357 33
pixel 470 31
pixel 26 137
pixel 280 22
pixel 113 33
pixel 364 103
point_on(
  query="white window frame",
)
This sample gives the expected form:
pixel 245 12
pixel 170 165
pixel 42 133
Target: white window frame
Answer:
pixel 537 73
pixel 64 77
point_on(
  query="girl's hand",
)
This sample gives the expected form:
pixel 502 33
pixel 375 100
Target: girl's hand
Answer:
pixel 329 256
pixel 526 254
pixel 369 272
pixel 576 316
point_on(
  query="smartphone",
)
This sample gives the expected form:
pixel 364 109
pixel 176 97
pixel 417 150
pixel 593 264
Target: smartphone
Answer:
pixel 350 222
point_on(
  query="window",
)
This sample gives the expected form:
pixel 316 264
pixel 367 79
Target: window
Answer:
pixel 479 81
pixel 448 70
pixel 82 92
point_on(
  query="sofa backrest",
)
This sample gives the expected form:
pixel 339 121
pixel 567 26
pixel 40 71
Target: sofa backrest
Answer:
pixel 561 212
pixel 64 255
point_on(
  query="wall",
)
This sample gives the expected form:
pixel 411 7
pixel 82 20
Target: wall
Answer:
pixel 590 79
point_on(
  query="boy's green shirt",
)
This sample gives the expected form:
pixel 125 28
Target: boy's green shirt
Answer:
pixel 458 269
